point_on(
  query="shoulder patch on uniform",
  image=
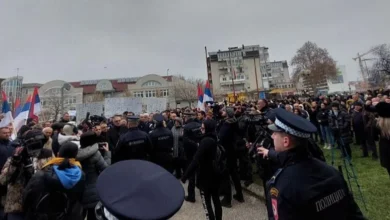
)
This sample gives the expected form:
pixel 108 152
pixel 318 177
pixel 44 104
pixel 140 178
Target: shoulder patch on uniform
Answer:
pixel 274 192
pixel 275 208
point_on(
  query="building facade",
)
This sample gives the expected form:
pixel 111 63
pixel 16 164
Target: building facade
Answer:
pixel 57 97
pixel 237 70
pixel 28 89
pixel 12 87
pixel 276 75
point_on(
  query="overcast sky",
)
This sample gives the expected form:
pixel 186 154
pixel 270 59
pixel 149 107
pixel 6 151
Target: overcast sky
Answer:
pixel 75 39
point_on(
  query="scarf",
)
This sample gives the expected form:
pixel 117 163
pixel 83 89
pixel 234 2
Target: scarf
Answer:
pixel 177 133
pixel 58 161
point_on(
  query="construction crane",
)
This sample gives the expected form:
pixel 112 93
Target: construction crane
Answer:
pixel 359 57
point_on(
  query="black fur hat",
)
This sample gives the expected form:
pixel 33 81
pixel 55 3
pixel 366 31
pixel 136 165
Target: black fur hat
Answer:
pixel 383 109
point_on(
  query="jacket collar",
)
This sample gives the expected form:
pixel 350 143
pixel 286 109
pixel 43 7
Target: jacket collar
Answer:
pixel 292 156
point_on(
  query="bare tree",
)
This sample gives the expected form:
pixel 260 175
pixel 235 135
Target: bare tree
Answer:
pixel 314 64
pixel 382 63
pixel 52 106
pixel 185 89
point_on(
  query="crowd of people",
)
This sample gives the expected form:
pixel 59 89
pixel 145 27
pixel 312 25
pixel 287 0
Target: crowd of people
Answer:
pixel 46 165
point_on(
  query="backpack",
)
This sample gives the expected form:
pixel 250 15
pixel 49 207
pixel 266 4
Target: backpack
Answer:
pixel 52 205
pixel 220 161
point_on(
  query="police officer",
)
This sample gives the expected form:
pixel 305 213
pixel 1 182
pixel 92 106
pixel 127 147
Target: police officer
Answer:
pixel 191 138
pixel 138 190
pixel 304 187
pixel 162 140
pixel 135 144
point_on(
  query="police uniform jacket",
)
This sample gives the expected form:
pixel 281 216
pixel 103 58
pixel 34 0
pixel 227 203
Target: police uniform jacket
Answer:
pixel 306 188
pixel 135 144
pixel 162 141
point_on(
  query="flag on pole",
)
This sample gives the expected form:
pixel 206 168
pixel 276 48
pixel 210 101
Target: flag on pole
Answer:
pixel 200 98
pixel 21 118
pixel 17 107
pixel 234 73
pixel 35 108
pixel 6 111
pixel 207 97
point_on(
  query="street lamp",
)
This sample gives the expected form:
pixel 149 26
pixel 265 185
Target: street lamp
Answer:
pixel 64 87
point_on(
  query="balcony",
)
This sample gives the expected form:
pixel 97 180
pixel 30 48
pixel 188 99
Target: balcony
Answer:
pixel 236 82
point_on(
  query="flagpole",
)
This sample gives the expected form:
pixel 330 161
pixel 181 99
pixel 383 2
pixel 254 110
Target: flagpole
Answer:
pixel 231 69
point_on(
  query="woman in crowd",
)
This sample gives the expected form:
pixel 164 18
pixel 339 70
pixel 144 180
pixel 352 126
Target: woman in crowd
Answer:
pixel 55 191
pixel 207 180
pixel 92 163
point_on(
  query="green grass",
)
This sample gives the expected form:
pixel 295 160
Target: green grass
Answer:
pixel 373 180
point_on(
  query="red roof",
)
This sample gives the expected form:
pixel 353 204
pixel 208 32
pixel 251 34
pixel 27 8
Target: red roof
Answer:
pixel 119 87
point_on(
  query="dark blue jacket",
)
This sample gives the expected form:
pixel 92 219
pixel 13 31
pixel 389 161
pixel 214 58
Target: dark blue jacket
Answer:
pixel 306 188
pixel 135 144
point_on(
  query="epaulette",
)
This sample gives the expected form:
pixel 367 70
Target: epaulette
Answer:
pixel 275 176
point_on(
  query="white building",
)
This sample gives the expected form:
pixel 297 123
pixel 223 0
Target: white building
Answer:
pixel 239 66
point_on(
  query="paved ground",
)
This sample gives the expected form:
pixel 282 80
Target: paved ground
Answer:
pixel 253 208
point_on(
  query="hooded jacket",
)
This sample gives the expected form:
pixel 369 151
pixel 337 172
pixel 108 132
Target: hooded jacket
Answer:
pixel 70 181
pixel 92 164
pixel 203 159
pixel 65 138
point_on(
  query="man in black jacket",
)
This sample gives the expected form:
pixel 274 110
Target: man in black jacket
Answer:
pixel 228 137
pixel 191 138
pixel 162 141
pixel 115 132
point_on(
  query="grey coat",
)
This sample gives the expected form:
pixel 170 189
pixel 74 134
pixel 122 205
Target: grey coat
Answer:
pixel 92 164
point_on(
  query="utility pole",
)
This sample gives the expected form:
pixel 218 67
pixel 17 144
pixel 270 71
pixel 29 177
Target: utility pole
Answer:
pixel 231 69
pixel 257 84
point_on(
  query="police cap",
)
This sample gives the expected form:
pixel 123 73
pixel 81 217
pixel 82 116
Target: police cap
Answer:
pixel 137 189
pixel 158 117
pixel 132 118
pixel 292 124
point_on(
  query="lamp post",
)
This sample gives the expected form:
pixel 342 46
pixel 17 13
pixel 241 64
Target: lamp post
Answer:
pixel 64 87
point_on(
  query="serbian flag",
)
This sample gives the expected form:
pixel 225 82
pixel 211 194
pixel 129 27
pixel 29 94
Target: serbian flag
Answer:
pixel 207 97
pixel 35 108
pixel 21 118
pixel 200 98
pixel 17 108
pixel 6 111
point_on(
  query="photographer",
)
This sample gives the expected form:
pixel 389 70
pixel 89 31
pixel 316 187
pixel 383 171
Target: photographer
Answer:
pixel 19 168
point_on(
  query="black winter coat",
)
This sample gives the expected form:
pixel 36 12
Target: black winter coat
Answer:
pixel 203 159
pixel 92 163
pixel 46 181
pixel 228 135
pixel 191 138
pixel 341 126
pixel 113 135
pixel 322 117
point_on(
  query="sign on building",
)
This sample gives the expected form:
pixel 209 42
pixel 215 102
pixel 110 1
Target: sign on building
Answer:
pixel 113 106
pixel 94 108
pixel 155 104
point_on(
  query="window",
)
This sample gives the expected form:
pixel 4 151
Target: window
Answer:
pixel 165 93
pixel 150 93
pixel 224 79
pixel 138 94
pixel 151 83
